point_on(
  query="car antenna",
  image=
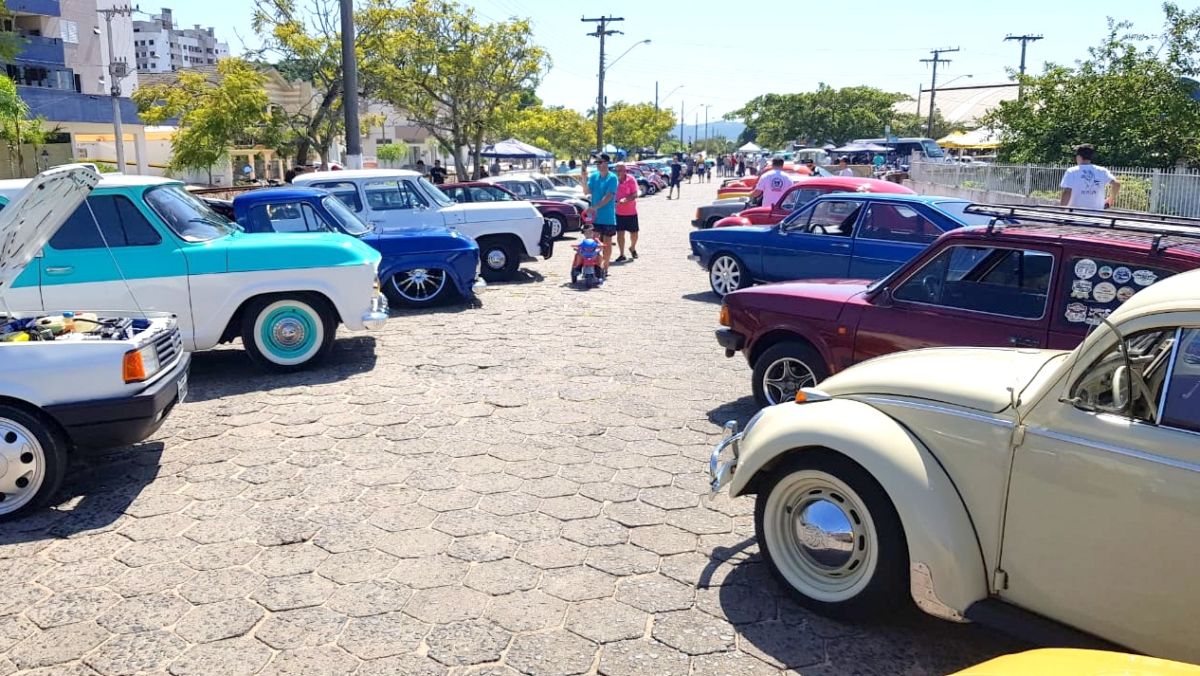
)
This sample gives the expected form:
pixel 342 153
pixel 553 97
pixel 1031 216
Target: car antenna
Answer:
pixel 113 256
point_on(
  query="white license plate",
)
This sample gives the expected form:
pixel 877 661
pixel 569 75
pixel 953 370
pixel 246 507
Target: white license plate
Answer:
pixel 182 385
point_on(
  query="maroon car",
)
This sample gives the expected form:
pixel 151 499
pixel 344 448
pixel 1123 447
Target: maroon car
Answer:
pixel 1041 281
pixel 560 215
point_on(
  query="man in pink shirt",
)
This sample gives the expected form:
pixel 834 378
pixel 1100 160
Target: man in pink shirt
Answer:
pixel 627 217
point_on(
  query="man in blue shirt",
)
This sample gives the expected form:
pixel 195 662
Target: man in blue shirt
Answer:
pixel 601 188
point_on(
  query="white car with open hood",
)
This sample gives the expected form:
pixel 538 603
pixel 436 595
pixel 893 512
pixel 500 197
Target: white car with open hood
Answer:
pixel 390 199
pixel 1049 493
pixel 71 377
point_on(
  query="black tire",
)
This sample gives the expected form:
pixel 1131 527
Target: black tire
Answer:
pixel 304 317
pixel 419 287
pixel 741 281
pixel 881 591
pixel 712 221
pixel 802 354
pixel 23 438
pixel 499 259
pixel 558 225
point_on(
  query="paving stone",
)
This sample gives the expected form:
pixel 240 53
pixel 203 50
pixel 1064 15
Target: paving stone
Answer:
pixel 68 607
pixel 577 584
pixel 411 544
pixel 570 507
pixel 403 517
pixel 529 527
pixel 150 552
pixel 293 591
pixel 58 645
pixel 731 664
pixel 467 643
pixel 220 555
pixel 654 593
pixel 622 560
pixel 486 484
pixel 16 598
pixel 556 653
pixel 144 613
pixel 637 657
pixel 663 539
pixel 78 549
pixel 595 532
pixel 606 491
pixel 373 597
pixel 216 621
pixel 643 477
pixel 446 605
pixel 548 554
pixel 738 604
pixel 234 657
pixel 293 559
pixel 285 532
pixel 606 621
pixel 550 487
pixel 357 566
pixel 449 500
pixel 157 527
pixel 341 538
pixel 669 497
pixel 13 629
pixel 634 514
pixel 484 547
pixel 382 635
pixel 694 632
pixel 220 585
pixel 222 530
pixel 465 522
pixel 291 629
pixel 430 571
pixel 502 577
pixel 311 662
pixel 782 644
pixel 525 611
pixel 135 653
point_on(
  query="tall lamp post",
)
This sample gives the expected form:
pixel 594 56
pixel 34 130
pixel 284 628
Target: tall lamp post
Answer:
pixel 117 71
pixel 600 104
pixel 706 107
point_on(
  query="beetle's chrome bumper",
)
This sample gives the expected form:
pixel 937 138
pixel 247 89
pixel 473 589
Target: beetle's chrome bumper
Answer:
pixel 377 316
pixel 721 472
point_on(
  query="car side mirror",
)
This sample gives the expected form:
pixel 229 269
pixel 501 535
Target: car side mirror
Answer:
pixel 884 298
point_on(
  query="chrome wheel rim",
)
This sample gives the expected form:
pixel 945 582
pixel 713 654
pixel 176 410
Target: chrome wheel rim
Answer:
pixel 419 284
pixel 784 378
pixel 820 536
pixel 556 227
pixel 496 259
pixel 22 466
pixel 725 275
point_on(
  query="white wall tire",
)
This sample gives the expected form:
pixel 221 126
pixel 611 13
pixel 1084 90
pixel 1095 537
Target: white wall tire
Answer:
pixel 32 462
pixel 286 333
pixel 830 533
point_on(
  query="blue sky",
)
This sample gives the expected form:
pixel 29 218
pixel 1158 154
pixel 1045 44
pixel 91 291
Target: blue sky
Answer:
pixel 723 57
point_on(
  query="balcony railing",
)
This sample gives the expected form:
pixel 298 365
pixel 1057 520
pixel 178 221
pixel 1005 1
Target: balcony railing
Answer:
pixel 42 7
pixel 42 50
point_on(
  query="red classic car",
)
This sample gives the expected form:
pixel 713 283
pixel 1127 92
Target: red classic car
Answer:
pixel 740 187
pixel 804 191
pixel 1041 283
pixel 560 215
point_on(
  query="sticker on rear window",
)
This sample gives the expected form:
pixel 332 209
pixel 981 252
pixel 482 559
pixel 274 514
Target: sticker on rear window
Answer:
pixel 1122 275
pixel 1105 272
pixel 1144 277
pixel 1076 313
pixel 1081 288
pixel 1123 294
pixel 1085 268
pixel 1104 292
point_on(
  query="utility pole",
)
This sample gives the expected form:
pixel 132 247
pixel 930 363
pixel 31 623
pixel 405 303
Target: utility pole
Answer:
pixel 937 58
pixel 1024 40
pixel 117 70
pixel 706 128
pixel 350 87
pixel 601 32
pixel 682 144
pixel 656 96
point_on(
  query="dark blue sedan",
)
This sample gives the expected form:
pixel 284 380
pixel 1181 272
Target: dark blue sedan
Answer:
pixel 421 266
pixel 835 236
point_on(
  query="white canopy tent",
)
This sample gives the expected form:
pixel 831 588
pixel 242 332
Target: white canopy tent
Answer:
pixel 750 147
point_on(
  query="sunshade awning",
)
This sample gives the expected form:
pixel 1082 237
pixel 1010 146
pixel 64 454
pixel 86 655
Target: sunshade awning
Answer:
pixel 750 147
pixel 516 150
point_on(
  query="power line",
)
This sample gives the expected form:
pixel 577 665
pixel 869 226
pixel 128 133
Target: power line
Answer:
pixel 937 58
pixel 1024 40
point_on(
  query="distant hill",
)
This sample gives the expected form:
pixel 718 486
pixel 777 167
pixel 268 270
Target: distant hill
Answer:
pixel 729 130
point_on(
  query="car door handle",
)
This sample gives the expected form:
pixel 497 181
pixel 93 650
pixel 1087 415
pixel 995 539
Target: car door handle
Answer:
pixel 60 270
pixel 839 245
pixel 1024 341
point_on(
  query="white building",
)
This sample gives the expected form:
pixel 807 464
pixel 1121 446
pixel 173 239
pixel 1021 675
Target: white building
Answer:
pixel 161 47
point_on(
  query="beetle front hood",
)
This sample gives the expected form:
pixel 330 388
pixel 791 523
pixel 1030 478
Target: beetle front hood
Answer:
pixel 37 212
pixel 486 212
pixel 983 379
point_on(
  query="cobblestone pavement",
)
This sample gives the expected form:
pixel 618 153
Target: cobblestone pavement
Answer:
pixel 512 488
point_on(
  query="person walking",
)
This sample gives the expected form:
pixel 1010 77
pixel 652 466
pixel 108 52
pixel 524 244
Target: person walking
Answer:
pixel 844 168
pixel 495 167
pixel 601 187
pixel 627 216
pixel 691 167
pixel 676 178
pixel 437 173
pixel 772 184
pixel 741 167
pixel 1086 185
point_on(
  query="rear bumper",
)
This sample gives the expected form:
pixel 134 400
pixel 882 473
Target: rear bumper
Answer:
pixel 546 242
pixel 697 223
pixel 696 259
pixel 731 340
pixel 126 420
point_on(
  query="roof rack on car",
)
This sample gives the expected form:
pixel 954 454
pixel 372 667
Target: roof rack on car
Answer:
pixel 1159 225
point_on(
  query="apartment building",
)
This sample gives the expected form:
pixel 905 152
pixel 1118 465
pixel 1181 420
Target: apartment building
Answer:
pixel 161 47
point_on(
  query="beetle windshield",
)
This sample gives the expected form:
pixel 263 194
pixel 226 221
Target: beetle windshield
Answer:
pixel 345 218
pixel 187 216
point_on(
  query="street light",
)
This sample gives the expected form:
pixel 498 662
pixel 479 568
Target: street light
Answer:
pixel 600 99
pixel 706 107
pixel 665 97
pixel 631 47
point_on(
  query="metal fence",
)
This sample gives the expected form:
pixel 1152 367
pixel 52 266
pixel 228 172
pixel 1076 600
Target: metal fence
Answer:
pixel 1175 192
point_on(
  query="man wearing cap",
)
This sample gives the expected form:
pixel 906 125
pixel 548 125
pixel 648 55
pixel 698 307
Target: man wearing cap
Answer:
pixel 601 188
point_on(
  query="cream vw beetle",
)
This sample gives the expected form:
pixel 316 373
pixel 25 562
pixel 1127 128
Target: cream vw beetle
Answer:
pixel 993 484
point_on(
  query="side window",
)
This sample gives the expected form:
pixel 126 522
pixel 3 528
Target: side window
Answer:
pixel 119 219
pixel 798 198
pixel 286 217
pixel 457 194
pixel 520 189
pixel 345 191
pixel 897 223
pixel 1131 381
pixel 385 196
pixel 412 195
pixel 1008 282
pixel 481 195
pixel 1181 408
pixel 834 217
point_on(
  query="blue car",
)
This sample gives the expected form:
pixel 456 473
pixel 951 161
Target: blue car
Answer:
pixel 420 267
pixel 835 236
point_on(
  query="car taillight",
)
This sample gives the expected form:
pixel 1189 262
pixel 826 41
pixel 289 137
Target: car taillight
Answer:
pixel 724 318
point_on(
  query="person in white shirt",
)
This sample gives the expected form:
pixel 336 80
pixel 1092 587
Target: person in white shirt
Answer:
pixel 1086 185
pixel 772 184
pixel 844 168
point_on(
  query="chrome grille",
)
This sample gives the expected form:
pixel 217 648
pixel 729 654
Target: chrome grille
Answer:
pixel 169 346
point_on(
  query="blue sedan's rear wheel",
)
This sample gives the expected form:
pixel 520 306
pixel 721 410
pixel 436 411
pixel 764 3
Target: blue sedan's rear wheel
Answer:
pixel 418 287
pixel 726 274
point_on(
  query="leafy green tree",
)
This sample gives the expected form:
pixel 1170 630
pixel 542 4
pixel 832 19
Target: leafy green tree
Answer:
pixel 391 152
pixel 637 125
pixel 1130 99
pixel 824 115
pixel 214 114
pixel 715 145
pixel 562 131
pixel 16 128
pixel 453 75
pixel 10 42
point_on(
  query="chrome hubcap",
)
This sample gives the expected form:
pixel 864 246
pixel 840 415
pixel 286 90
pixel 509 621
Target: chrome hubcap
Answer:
pixel 289 332
pixel 496 259
pixel 825 534
pixel 22 466
pixel 726 275
pixel 419 284
pixel 784 378
pixel 556 227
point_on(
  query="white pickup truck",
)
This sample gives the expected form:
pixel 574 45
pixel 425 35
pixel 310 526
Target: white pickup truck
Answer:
pixel 95 380
pixel 396 199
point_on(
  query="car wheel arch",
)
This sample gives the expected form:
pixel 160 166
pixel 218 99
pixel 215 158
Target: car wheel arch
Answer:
pixel 775 336
pixel 939 531
pixel 233 326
